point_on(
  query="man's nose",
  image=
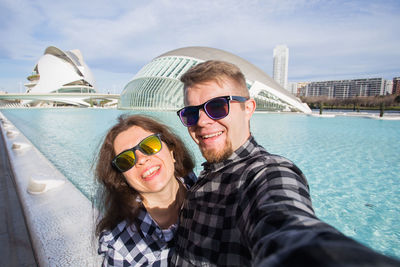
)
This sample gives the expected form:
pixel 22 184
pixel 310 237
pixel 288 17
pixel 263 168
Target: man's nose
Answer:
pixel 203 118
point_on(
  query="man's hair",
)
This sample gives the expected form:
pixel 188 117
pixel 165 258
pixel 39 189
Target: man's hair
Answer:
pixel 116 198
pixel 217 71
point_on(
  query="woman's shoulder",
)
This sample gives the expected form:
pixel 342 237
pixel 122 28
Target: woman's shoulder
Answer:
pixel 108 237
pixel 126 245
pixel 126 230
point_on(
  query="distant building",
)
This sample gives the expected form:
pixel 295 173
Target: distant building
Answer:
pixel 280 67
pixel 60 71
pixel 346 88
pixel 292 88
pixel 388 87
pixel 301 88
pixel 157 85
pixel 396 85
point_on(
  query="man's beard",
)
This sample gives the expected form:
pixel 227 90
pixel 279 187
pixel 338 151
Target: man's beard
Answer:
pixel 215 156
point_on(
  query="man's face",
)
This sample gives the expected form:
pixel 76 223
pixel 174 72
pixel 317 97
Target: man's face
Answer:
pixel 217 139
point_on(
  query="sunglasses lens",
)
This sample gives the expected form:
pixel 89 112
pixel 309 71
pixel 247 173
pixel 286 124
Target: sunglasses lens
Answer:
pixel 189 116
pixel 151 145
pixel 217 108
pixel 125 161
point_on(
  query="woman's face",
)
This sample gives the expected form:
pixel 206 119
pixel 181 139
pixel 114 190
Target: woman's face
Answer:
pixel 151 173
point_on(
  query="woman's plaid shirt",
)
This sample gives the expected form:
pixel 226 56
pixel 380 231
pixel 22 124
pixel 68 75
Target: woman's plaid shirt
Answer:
pixel 142 243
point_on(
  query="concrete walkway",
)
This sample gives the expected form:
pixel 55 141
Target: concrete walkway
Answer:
pixel 59 218
pixel 16 248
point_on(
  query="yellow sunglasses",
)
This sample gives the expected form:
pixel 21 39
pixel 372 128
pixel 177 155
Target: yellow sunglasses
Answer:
pixel 127 158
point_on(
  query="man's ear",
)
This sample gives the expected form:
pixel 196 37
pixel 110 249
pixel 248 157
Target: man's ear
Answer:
pixel 250 107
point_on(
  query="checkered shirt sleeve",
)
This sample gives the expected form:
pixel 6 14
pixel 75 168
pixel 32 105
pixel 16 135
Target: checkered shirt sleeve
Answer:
pixel 237 205
pixel 254 209
pixel 219 223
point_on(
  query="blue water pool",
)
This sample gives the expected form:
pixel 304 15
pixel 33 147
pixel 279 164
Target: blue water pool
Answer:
pixel 351 163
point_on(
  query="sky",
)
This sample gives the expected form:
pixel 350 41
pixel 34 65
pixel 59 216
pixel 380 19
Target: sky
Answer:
pixel 327 40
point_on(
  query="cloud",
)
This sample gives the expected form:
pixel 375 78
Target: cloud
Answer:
pixel 325 38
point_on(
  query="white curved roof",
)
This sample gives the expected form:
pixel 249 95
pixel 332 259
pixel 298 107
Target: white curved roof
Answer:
pixel 58 69
pixel 252 73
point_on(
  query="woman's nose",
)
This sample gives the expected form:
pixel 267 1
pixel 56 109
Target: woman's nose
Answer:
pixel 141 158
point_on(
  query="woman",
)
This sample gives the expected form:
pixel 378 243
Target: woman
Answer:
pixel 144 171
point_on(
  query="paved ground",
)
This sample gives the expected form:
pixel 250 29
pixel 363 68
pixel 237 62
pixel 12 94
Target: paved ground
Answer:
pixel 15 249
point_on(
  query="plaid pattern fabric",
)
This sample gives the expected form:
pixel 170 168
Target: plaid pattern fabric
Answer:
pixel 254 209
pixel 142 243
pixel 240 208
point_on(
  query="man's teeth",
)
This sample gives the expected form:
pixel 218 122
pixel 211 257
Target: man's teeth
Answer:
pixel 150 171
pixel 211 135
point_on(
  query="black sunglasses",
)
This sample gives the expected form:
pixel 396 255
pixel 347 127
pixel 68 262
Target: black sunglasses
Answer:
pixel 127 158
pixel 215 108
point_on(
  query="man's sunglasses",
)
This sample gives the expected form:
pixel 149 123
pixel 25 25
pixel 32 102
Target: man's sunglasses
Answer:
pixel 127 158
pixel 215 108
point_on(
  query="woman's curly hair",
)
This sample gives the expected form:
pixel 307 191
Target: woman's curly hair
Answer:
pixel 117 200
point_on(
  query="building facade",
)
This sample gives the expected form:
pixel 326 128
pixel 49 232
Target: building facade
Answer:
pixel 157 85
pixel 345 88
pixel 388 87
pixel 293 88
pixel 396 85
pixel 60 71
pixel 280 65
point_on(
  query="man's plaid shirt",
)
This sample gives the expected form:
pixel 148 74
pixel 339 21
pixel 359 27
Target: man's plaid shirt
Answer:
pixel 254 209
pixel 243 210
pixel 142 243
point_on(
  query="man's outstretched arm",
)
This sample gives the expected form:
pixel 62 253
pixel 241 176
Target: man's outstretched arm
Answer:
pixel 279 225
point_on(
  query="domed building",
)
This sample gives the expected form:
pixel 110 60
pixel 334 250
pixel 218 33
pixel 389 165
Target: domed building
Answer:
pixel 60 71
pixel 157 84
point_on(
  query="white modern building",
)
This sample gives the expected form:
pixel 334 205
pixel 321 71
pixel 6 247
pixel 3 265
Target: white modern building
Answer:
pixel 280 67
pixel 157 85
pixel 388 87
pixel 60 72
pixel 345 88
pixel 292 88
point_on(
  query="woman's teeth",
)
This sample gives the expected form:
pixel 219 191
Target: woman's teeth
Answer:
pixel 150 171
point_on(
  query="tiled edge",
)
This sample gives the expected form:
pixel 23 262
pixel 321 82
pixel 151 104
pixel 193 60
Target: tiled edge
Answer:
pixel 60 220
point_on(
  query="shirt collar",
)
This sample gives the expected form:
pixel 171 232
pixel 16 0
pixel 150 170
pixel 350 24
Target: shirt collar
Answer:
pixel 236 156
pixel 149 228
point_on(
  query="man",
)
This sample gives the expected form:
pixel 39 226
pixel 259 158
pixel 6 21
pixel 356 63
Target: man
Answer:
pixel 248 207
